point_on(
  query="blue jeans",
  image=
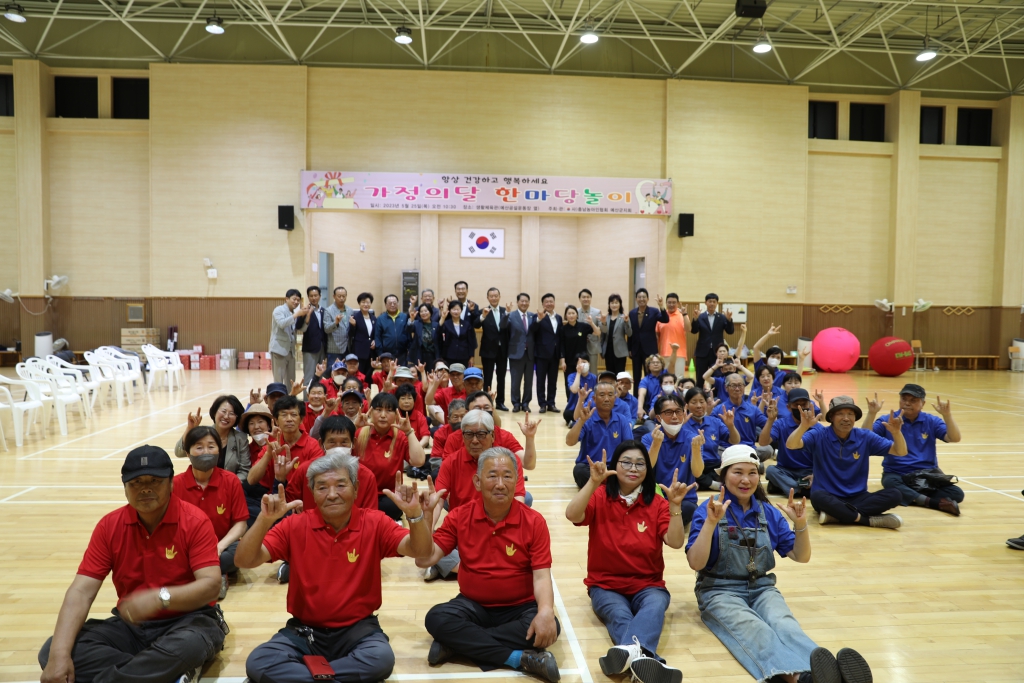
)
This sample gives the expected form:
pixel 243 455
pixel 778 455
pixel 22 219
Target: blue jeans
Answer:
pixel 910 496
pixel 641 615
pixel 785 479
pixel 756 626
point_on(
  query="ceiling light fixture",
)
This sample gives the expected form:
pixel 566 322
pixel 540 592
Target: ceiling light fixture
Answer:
pixel 589 36
pixel 927 54
pixel 762 45
pixel 215 25
pixel 15 13
pixel 403 36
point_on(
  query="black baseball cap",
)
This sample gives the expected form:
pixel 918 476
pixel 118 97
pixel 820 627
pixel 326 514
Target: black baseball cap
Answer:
pixel 144 461
pixel 385 355
pixel 915 390
pixel 797 394
pixel 353 394
pixel 606 374
pixel 276 388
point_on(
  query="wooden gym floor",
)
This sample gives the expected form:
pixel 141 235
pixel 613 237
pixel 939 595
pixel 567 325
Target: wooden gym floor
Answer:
pixel 938 600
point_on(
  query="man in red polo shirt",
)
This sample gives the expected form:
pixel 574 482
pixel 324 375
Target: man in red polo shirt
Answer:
pixel 504 613
pixel 288 438
pixel 503 438
pixel 441 396
pixel 335 551
pixel 163 554
pixel 336 433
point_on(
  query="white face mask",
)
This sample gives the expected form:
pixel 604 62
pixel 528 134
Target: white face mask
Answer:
pixel 773 362
pixel 668 388
pixel 261 439
pixel 671 430
pixel 585 368
pixel 339 380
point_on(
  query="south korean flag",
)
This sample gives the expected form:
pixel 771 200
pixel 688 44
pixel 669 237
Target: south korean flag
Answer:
pixel 483 243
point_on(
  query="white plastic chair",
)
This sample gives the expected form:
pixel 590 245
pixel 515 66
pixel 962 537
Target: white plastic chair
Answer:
pixel 128 365
pixel 23 412
pixel 96 383
pixel 68 379
pixel 158 367
pixel 113 372
pixel 62 391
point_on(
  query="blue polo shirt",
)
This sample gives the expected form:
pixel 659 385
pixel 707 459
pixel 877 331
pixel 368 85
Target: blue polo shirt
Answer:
pixel 622 406
pixel 596 436
pixel 791 459
pixel 841 467
pixel 674 454
pixel 782 538
pixel 720 393
pixel 715 434
pixel 588 381
pixel 748 419
pixel 777 392
pixel 653 385
pixel 921 435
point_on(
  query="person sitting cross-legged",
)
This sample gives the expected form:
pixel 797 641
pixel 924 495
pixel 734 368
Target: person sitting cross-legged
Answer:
pixel 598 429
pixel 629 525
pixel 749 420
pixel 794 468
pixel 504 613
pixel 335 552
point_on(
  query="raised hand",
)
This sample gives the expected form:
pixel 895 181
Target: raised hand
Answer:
pixel 729 418
pixel 604 317
pixel 274 506
pixel 685 310
pixel 585 413
pixel 697 445
pixel 362 419
pixel 773 409
pixel 941 408
pixel 255 396
pixel 796 511
pixel 284 463
pixel 677 491
pixel 674 346
pixel 874 405
pixel 807 419
pixel 743 327
pixel 331 405
pixel 375 364
pixel 321 367
pixel 657 437
pixel 492 394
pixel 412 301
pixel 430 498
pixel 804 352
pixel 194 420
pixel 819 398
pixel 599 470
pixel 773 329
pixel 584 394
pixel 337 319
pixel 728 314
pixel 484 312
pixel 660 300
pixel 420 369
pixel 472 306
pixel 529 429
pixel 406 498
pixel 296 387
pixel 579 365
pixel 894 424
pixel 509 306
pixel 717 508
pixel 351 320
pixel 403 424
pixel 713 403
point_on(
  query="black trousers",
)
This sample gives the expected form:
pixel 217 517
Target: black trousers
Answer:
pixel 708 476
pixel 613 363
pixel 114 651
pixel 638 373
pixel 486 635
pixel 522 379
pixel 547 381
pixel 388 507
pixel 701 365
pixel 866 504
pixel 492 365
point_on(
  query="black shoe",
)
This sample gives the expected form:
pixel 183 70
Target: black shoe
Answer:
pixel 525 407
pixel 824 667
pixel 439 654
pixel 502 407
pixel 650 670
pixel 283 573
pixel 853 667
pixel 541 409
pixel 540 663
pixel 1016 543
pixel 191 676
pixel 552 408
pixel 516 408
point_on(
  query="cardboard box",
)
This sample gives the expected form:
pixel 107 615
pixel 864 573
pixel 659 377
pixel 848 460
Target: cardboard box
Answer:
pixel 194 365
pixel 242 365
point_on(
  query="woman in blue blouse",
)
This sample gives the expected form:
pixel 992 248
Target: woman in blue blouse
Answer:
pixel 733 538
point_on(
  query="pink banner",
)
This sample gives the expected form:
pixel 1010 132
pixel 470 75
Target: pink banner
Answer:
pixel 352 190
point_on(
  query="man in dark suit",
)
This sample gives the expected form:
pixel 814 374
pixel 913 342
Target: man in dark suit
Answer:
pixel 644 340
pixel 314 339
pixel 520 352
pixel 547 352
pixel 493 321
pixel 710 328
pixel 470 311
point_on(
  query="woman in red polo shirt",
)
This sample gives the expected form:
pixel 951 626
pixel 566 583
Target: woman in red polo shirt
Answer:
pixel 385 446
pixel 629 523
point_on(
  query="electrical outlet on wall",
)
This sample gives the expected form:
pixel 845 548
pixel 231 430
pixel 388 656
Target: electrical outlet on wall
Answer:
pixel 790 289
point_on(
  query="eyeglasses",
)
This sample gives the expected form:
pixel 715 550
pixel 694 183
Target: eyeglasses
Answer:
pixel 671 413
pixel 475 436
pixel 631 465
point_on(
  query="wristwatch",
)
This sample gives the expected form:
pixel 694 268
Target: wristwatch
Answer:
pixel 165 598
pixel 413 520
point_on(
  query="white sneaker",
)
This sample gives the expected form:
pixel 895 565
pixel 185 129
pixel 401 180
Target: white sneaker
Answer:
pixel 715 486
pixel 190 676
pixel 885 521
pixel 826 519
pixel 618 658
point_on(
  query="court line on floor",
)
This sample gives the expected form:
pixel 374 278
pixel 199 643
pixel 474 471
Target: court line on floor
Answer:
pixel 981 486
pixel 19 493
pixel 139 443
pixel 119 425
pixel 570 635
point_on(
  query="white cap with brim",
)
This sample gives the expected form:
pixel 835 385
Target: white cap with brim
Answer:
pixel 734 455
pixel 624 375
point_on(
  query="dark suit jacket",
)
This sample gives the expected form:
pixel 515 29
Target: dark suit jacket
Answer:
pixel 457 345
pixel 520 341
pixel 313 337
pixel 494 339
pixel 547 343
pixel 359 340
pixel 644 340
pixel 415 336
pixel 708 338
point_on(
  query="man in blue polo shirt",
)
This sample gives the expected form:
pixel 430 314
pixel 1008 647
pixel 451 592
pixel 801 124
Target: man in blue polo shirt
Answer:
pixel 795 467
pixel 670 450
pixel 597 430
pixel 749 420
pixel 839 491
pixel 921 431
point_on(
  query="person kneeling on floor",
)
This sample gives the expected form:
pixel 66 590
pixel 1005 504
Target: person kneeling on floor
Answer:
pixel 504 613
pixel 334 551
pixel 163 555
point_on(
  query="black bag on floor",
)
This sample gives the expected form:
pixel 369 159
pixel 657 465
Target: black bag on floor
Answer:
pixel 929 480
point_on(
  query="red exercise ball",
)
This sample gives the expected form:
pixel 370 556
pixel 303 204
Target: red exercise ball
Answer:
pixel 835 349
pixel 891 356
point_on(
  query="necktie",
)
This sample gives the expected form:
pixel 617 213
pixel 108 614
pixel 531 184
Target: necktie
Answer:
pixel 525 326
pixel 640 318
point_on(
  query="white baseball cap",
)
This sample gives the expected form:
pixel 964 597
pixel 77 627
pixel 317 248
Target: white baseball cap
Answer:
pixel 739 453
pixel 624 375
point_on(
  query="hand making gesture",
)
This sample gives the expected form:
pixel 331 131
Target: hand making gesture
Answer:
pixel 331 405
pixel 796 511
pixel 599 470
pixel 321 367
pixel 274 506
pixel 284 463
pixel 942 409
pixel 529 429
pixel 406 498
pixel 255 396
pixel 677 491
pixel 729 418
pixel 874 405
pixel 894 424
pixel 194 420
pixel 717 508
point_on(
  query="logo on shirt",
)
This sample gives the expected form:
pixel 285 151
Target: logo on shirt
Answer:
pixel 510 550
pixel 641 527
pixel 221 509
pixel 170 553
pixel 682 458
pixel 856 455
pixel 387 454
pixel 924 437
pixel 615 435
pixel 746 419
pixel 353 555
pixel 714 438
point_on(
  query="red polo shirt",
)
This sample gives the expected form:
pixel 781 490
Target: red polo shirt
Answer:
pixel 385 455
pixel 180 545
pixel 456 476
pixel 310 418
pixel 625 550
pixel 498 560
pixel 305 449
pixel 298 488
pixel 335 578
pixel 419 425
pixel 223 499
pixel 502 438
pixel 330 387
pixel 442 397
pixel 441 436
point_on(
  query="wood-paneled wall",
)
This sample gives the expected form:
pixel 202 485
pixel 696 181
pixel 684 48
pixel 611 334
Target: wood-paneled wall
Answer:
pixel 10 323
pixel 240 324
pixel 88 322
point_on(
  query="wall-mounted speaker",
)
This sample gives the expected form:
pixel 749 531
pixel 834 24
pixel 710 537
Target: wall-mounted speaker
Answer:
pixel 686 225
pixel 754 9
pixel 286 217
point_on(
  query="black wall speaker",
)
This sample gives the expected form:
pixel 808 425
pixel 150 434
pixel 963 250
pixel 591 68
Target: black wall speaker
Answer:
pixel 686 225
pixel 286 217
pixel 754 9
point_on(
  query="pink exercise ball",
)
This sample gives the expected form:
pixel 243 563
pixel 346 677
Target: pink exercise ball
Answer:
pixel 835 349
pixel 891 356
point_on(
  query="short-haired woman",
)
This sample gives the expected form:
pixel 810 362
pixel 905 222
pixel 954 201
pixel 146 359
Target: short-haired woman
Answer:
pixel 226 412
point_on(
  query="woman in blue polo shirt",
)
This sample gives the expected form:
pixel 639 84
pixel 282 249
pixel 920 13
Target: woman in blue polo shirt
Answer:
pixel 767 380
pixel 714 432
pixel 674 457
pixel 733 539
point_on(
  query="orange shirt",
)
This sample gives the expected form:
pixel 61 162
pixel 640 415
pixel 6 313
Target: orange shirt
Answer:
pixel 672 332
